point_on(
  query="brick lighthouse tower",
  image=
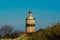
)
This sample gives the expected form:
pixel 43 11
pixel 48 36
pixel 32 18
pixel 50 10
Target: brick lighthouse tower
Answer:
pixel 30 23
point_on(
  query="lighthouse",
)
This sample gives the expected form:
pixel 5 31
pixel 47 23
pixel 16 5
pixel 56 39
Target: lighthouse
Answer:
pixel 30 23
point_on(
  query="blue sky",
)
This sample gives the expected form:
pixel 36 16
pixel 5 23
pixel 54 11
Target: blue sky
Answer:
pixel 14 12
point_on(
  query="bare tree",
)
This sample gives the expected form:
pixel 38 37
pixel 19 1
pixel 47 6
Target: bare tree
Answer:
pixel 6 30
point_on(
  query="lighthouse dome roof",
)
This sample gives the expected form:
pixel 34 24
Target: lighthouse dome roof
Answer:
pixel 30 15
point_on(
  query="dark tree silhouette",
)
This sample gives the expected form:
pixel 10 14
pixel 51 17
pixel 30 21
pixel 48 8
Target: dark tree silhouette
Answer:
pixel 6 31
